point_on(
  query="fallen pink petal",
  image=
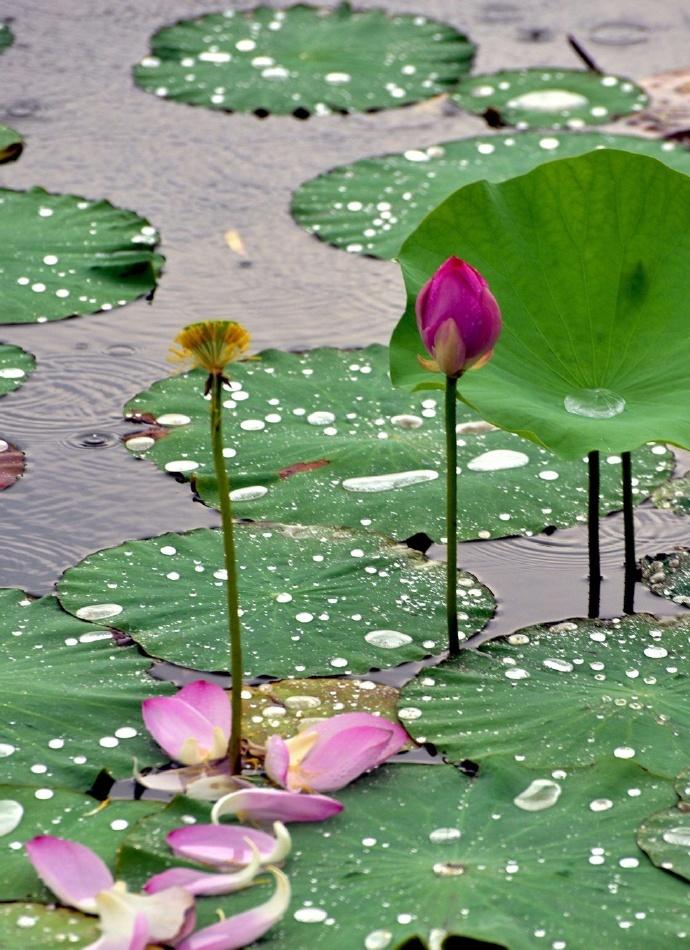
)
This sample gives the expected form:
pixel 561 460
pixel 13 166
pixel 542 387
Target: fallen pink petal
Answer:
pixel 271 804
pixel 193 726
pixel 229 846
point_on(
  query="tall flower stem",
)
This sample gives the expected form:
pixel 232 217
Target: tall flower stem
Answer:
pixel 593 536
pixel 234 750
pixel 452 515
pixel 629 524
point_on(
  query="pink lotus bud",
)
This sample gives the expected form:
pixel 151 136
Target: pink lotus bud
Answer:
pixel 458 319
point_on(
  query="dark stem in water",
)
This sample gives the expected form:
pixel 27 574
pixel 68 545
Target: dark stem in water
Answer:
pixel 452 515
pixel 593 536
pixel 234 747
pixel 629 523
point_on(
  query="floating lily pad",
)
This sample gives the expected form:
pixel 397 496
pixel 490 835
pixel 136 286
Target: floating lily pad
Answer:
pixel 304 60
pixel 11 464
pixel 371 206
pixel 595 351
pixel 70 700
pixel 63 256
pixel 6 37
pixel 323 438
pixel 15 366
pixel 665 836
pixel 549 98
pixel 669 575
pixel 314 600
pixel 284 708
pixel 45 927
pixel 564 695
pixel 674 496
pixel 11 144
pixel 429 853
pixel 39 811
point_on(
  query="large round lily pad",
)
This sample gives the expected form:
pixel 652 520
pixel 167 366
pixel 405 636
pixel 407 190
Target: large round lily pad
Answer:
pixel 564 695
pixel 6 37
pixel 428 853
pixel 70 700
pixel 11 144
pixel 15 366
pixel 669 575
pixel 323 438
pixel 63 256
pixel 588 258
pixel 314 600
pixel 304 60
pixel 371 206
pixel 27 811
pixel 45 927
pixel 549 98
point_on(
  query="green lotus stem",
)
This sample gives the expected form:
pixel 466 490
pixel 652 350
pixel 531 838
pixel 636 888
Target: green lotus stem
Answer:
pixel 452 515
pixel 234 628
pixel 629 525
pixel 593 536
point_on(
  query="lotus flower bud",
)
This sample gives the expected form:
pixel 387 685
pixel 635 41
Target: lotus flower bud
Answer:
pixel 458 319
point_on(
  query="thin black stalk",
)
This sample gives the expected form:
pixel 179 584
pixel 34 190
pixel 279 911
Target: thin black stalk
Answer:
pixel 593 536
pixel 629 523
pixel 452 516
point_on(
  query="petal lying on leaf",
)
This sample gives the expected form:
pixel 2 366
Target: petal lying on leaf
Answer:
pixel 138 939
pixel 243 929
pixel 228 846
pixel 165 913
pixel 268 804
pixel 203 883
pixel 203 782
pixel 277 760
pixel 71 870
pixel 193 726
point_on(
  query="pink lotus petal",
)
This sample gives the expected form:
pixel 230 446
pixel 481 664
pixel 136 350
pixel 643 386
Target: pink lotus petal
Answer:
pixel 202 883
pixel 222 846
pixel 165 913
pixel 340 759
pixel 182 731
pixel 270 804
pixel 277 760
pixel 202 782
pixel 243 929
pixel 211 701
pixel 397 737
pixel 71 870
pixel 138 940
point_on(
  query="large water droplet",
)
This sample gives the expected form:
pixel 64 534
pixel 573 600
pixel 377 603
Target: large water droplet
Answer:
pixel 6 749
pixel 540 794
pixel 448 869
pixel 560 666
pixel 11 813
pixel 249 493
pixel 678 835
pixel 594 403
pixel 99 611
pixel 320 418
pixel 548 100
pixel 407 421
pixel 497 460
pixel 302 702
pixel 439 835
pixel 310 915
pixel 600 804
pixel 375 483
pixel 378 940
pixel 387 639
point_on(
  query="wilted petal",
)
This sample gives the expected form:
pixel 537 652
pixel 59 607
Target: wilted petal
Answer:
pixel 184 730
pixel 71 870
pixel 268 804
pixel 205 783
pixel 243 929
pixel 138 939
pixel 203 883
pixel 227 846
pixel 164 912
pixel 277 760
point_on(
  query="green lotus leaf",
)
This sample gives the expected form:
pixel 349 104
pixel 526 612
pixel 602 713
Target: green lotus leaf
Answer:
pixel 565 695
pixel 549 98
pixel 323 438
pixel 15 366
pixel 675 496
pixel 588 258
pixel 314 600
pixel 427 853
pixel 11 144
pixel 372 205
pixel 26 811
pixel 6 37
pixel 665 836
pixel 669 575
pixel 45 927
pixel 70 700
pixel 64 256
pixel 304 60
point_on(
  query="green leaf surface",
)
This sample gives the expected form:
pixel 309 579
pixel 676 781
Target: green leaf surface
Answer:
pixel 314 600
pixel 304 60
pixel 11 144
pixel 44 811
pixel 70 699
pixel 6 37
pixel 561 696
pixel 15 367
pixel 674 496
pixel 426 852
pixel 588 258
pixel 303 430
pixel 63 256
pixel 665 836
pixel 44 928
pixel 371 206
pixel 549 98
pixel 668 575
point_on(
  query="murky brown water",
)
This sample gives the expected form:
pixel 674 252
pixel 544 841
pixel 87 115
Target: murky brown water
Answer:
pixel 194 173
